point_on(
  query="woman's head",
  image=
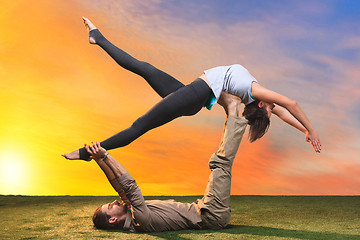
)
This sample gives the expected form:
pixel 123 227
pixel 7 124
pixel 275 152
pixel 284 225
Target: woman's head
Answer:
pixel 258 113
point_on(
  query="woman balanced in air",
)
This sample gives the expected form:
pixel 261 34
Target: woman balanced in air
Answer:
pixel 180 100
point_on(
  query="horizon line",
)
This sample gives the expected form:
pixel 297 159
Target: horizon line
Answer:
pixel 250 195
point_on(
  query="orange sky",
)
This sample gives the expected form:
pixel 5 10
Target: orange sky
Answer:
pixel 58 92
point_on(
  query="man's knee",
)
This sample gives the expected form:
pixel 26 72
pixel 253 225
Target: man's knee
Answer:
pixel 221 163
pixel 216 220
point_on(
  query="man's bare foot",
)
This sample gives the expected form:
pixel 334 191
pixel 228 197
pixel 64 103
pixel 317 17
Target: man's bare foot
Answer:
pixel 233 108
pixel 90 26
pixel 75 155
pixel 230 103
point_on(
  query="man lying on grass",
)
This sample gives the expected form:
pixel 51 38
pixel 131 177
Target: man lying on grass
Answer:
pixel 136 214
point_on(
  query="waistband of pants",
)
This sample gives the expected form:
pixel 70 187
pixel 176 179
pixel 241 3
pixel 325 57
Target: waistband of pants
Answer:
pixel 201 88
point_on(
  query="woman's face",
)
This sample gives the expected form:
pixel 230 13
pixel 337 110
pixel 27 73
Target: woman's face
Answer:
pixel 268 107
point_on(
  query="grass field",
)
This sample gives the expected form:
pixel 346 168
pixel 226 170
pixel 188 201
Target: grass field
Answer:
pixel 253 217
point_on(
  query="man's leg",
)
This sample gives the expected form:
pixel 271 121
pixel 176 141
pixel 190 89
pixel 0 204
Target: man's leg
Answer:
pixel 215 205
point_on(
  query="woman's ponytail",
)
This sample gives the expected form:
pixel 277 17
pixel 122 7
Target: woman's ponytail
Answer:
pixel 257 119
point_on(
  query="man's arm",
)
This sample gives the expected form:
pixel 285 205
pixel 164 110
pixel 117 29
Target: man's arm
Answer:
pixel 112 168
pixel 120 177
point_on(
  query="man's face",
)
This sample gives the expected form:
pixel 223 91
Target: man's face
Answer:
pixel 114 209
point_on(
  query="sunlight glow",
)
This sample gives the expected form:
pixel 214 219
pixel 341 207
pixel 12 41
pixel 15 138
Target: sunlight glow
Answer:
pixel 13 173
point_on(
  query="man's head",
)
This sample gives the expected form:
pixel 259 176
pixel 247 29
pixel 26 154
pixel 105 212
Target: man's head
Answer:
pixel 110 216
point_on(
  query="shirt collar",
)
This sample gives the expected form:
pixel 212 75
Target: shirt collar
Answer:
pixel 128 220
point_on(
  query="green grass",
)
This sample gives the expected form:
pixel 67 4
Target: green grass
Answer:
pixel 253 217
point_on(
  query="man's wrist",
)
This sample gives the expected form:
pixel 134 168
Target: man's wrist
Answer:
pixel 104 157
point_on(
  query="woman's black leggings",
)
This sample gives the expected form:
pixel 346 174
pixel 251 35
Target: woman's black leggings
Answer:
pixel 178 99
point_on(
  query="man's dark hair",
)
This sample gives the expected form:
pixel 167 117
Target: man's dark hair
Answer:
pixel 101 219
pixel 257 119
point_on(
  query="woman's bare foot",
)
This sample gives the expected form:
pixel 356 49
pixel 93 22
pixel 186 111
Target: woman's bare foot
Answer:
pixel 75 155
pixel 90 26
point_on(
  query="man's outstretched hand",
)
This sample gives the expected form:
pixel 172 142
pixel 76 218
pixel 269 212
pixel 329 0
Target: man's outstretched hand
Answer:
pixel 96 151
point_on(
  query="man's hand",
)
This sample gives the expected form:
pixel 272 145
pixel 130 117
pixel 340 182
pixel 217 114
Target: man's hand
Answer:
pixel 96 151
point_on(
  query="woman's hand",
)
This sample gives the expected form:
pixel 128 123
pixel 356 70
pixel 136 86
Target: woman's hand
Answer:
pixel 313 138
pixel 96 151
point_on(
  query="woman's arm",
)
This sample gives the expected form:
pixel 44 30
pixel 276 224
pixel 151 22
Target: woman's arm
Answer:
pixel 284 115
pixel 266 95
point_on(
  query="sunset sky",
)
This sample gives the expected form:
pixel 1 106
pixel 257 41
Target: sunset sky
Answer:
pixel 59 92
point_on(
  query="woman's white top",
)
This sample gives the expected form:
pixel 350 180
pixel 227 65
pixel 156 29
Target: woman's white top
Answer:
pixel 234 79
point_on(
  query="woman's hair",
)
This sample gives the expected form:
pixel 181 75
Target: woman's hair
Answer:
pixel 257 119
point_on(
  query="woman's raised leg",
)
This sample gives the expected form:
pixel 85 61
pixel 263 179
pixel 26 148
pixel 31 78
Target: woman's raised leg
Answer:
pixel 161 82
pixel 185 100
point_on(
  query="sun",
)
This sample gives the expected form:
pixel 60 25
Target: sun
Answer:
pixel 13 177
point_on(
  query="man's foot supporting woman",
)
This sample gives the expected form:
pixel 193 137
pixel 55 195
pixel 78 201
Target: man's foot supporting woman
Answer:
pixel 230 103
